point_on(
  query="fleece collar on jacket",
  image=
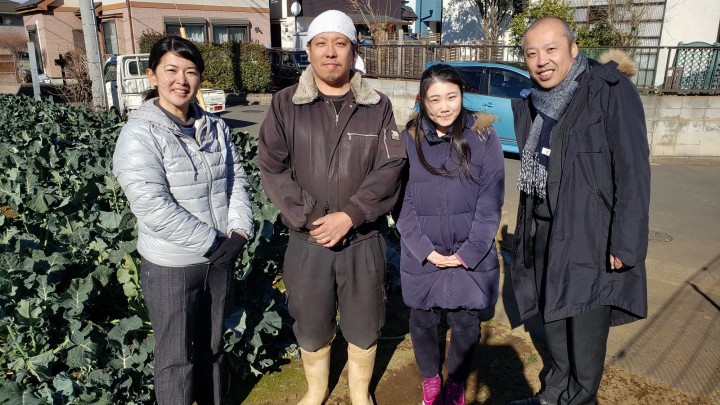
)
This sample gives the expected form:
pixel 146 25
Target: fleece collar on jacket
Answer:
pixel 625 64
pixel 307 90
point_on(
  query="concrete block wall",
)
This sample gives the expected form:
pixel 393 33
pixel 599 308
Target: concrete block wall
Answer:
pixel 402 96
pixel 678 126
pixel 683 126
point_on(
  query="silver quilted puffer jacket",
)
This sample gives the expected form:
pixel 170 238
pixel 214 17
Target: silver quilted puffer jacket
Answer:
pixel 184 191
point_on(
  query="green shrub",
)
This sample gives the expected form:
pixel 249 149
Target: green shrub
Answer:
pixel 255 71
pixel 148 38
pixel 593 35
pixel 230 66
pixel 535 11
pixel 601 34
pixel 221 68
pixel 73 324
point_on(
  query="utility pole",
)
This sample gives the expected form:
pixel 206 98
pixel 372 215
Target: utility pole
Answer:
pixel 92 48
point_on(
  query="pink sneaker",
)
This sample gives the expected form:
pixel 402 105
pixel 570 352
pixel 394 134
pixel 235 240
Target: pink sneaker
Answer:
pixel 454 392
pixel 432 391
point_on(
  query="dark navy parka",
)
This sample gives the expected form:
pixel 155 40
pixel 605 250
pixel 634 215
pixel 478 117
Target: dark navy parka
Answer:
pixel 599 193
pixel 452 215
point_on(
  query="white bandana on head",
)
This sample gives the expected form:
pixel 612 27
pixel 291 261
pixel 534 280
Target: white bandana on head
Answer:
pixel 332 21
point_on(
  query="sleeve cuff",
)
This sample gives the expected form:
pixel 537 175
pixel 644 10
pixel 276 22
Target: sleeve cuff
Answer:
pixel 355 214
pixel 422 249
pixel 212 247
pixel 457 256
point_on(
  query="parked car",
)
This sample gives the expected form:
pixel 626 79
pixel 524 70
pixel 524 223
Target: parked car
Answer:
pixel 490 87
pixel 287 65
pixel 126 81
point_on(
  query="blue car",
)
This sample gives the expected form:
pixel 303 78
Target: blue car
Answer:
pixel 490 87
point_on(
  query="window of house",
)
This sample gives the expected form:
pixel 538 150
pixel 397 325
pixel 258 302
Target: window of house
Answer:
pixel 78 39
pixel 32 34
pixel 7 21
pixel 505 83
pixel 598 14
pixel 228 33
pixel 230 29
pixel 110 37
pixel 193 32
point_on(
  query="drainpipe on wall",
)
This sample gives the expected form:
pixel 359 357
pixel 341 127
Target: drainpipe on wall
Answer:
pixel 42 58
pixel 132 35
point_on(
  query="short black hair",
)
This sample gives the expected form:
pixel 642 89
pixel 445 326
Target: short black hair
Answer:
pixel 181 46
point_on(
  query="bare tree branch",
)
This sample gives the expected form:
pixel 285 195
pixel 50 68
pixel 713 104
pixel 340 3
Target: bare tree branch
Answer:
pixel 78 89
pixel 626 17
pixel 492 14
pixel 377 20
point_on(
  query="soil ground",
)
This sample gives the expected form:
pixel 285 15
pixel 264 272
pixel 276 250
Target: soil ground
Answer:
pixel 506 366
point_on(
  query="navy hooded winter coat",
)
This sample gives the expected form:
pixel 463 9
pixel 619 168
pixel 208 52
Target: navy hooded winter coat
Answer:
pixel 452 215
pixel 602 194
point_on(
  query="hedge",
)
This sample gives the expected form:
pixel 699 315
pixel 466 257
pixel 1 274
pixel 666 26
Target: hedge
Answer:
pixel 242 67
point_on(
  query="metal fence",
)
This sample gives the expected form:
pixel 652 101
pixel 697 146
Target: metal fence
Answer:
pixel 692 70
pixel 689 69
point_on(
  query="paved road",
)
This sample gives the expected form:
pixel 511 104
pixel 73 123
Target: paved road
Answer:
pixel 246 117
pixel 680 342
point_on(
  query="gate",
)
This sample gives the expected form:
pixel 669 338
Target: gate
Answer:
pixel 8 70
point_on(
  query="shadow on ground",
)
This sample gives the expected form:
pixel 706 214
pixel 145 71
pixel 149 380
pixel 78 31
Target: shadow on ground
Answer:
pixel 235 123
pixel 688 358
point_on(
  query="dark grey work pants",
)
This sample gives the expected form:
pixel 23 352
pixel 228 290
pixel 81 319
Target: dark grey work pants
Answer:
pixel 322 281
pixel 188 306
pixel 577 344
pixel 464 335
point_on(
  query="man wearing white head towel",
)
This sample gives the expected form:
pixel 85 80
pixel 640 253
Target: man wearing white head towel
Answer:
pixel 331 159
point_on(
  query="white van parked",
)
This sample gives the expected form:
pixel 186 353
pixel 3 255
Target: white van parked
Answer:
pixel 126 81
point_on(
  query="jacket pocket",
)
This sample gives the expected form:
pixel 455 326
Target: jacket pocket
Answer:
pixel 601 199
pixel 394 147
pixel 357 134
pixel 361 140
pixel 592 137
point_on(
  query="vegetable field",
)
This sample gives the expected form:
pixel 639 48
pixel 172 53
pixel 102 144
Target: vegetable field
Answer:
pixel 74 328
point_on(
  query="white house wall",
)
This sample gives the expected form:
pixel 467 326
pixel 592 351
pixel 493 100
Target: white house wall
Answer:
pixel 461 22
pixel 687 21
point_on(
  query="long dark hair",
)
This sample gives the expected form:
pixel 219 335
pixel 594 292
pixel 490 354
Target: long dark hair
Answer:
pixel 435 74
pixel 181 46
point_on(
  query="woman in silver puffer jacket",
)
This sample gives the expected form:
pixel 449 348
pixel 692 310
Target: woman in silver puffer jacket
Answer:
pixel 183 178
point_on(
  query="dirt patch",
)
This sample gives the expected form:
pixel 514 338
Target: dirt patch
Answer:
pixel 506 366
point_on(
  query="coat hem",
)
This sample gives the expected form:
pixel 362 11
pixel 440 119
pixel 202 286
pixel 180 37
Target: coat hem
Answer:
pixel 629 315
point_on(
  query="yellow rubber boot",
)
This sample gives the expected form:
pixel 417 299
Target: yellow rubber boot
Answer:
pixel 360 369
pixel 317 370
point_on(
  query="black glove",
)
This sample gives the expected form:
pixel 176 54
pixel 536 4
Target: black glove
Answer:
pixel 228 251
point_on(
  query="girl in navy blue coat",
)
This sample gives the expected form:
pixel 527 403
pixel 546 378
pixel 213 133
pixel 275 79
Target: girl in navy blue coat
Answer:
pixel 448 221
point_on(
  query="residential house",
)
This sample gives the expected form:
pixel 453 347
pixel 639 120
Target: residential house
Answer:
pixel 662 23
pixel 10 20
pixel 289 31
pixel 430 16
pixel 55 25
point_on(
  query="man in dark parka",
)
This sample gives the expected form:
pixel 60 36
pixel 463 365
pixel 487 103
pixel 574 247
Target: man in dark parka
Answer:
pixel 581 239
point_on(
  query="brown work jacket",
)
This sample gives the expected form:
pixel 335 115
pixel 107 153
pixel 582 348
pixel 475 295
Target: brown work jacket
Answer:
pixel 314 162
